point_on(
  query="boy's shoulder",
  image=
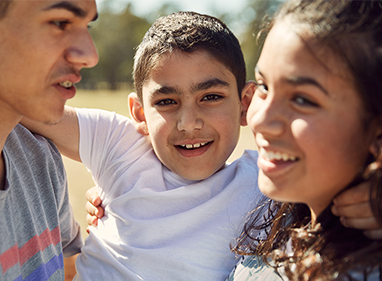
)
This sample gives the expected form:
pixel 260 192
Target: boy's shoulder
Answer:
pixel 248 158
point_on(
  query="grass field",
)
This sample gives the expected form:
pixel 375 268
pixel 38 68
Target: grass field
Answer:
pixel 80 179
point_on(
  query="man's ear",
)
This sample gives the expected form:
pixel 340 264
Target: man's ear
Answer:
pixel 137 113
pixel 246 98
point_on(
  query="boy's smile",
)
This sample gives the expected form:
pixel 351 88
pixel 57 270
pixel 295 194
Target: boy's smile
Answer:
pixel 192 113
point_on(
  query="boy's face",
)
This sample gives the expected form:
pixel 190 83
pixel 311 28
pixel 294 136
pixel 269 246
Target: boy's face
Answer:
pixel 192 113
pixel 43 47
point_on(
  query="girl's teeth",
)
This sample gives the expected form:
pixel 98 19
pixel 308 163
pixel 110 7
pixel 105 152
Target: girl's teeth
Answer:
pixel 277 155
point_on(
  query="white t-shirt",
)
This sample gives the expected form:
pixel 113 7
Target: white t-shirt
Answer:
pixel 158 225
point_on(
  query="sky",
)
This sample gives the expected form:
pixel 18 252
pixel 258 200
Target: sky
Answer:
pixel 142 7
pixel 210 7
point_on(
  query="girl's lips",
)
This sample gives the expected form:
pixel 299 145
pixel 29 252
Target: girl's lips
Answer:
pixel 274 166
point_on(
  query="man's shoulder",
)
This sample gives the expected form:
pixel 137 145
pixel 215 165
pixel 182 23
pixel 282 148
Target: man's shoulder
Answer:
pixel 22 138
pixel 24 146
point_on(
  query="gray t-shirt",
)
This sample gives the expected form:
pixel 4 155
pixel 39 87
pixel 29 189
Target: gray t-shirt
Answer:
pixel 37 227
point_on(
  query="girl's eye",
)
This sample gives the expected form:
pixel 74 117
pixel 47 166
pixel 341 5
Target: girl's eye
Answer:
pixel 61 24
pixel 165 102
pixel 302 101
pixel 212 97
pixel 262 89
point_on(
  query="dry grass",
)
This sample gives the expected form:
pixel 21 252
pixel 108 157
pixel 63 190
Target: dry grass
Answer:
pixel 80 179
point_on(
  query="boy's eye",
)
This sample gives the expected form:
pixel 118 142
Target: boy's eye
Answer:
pixel 61 24
pixel 302 101
pixel 165 102
pixel 212 97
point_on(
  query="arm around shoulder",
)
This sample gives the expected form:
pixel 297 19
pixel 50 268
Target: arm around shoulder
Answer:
pixel 65 134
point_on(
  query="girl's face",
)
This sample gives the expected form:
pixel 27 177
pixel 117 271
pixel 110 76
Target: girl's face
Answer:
pixel 308 123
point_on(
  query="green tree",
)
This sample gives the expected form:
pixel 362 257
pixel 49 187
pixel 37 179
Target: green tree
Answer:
pixel 116 35
pixel 258 11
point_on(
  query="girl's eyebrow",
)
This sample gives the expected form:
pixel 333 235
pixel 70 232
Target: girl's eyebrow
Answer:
pixel 71 7
pixel 299 80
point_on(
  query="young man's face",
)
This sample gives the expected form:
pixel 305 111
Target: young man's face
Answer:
pixel 43 46
pixel 193 113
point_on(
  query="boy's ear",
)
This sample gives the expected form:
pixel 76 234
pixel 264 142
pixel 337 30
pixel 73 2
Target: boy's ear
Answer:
pixel 246 98
pixel 137 113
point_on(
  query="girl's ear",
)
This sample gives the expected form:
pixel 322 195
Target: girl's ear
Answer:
pixel 376 144
pixel 137 113
pixel 246 98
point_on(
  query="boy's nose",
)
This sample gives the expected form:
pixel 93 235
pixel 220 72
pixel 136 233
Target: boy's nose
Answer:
pixel 189 121
pixel 82 51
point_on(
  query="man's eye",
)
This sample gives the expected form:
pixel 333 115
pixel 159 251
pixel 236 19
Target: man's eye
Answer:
pixel 165 102
pixel 212 97
pixel 61 24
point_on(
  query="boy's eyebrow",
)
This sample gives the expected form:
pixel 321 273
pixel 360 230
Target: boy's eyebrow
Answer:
pixel 165 90
pixel 77 11
pixel 209 84
pixel 198 87
pixel 299 80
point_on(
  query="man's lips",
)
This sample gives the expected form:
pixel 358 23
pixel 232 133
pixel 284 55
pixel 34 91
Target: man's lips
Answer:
pixel 66 84
pixel 68 80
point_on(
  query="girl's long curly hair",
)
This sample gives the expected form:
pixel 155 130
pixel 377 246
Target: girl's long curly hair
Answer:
pixel 352 30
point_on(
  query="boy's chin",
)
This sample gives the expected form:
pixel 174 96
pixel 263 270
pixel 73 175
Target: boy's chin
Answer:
pixel 197 174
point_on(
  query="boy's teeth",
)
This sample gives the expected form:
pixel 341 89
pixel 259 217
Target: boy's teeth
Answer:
pixel 277 155
pixel 66 84
pixel 195 145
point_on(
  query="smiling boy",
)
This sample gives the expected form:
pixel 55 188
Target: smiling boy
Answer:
pixel 43 47
pixel 172 203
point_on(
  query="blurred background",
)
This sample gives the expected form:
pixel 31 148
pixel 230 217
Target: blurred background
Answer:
pixel 119 29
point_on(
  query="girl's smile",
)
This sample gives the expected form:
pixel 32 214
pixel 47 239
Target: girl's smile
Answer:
pixel 308 122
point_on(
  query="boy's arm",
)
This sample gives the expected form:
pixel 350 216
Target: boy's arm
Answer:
pixel 65 134
pixel 354 208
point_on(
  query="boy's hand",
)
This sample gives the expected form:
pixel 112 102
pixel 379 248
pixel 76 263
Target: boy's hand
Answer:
pixel 93 207
pixel 353 206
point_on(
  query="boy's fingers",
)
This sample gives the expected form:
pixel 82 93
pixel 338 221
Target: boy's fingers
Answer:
pixel 362 210
pixel 91 220
pixel 93 196
pixel 369 223
pixel 374 234
pixel 93 210
pixel 354 195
